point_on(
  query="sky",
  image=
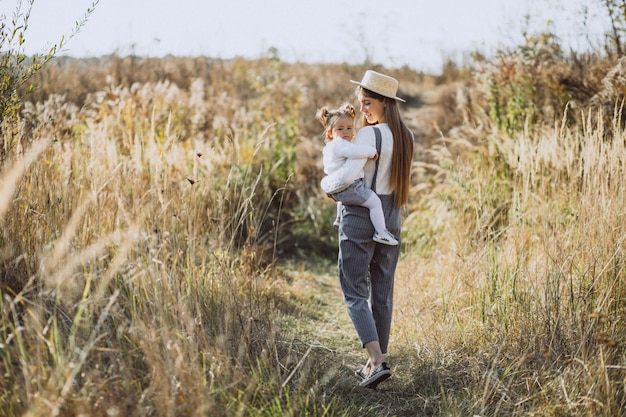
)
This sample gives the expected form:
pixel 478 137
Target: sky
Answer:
pixel 421 34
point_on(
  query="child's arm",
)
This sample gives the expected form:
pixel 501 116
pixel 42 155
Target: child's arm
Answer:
pixel 351 151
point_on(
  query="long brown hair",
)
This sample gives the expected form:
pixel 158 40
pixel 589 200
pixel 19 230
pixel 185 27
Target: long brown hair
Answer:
pixel 402 157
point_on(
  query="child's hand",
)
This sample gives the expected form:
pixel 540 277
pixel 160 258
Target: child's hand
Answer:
pixel 375 157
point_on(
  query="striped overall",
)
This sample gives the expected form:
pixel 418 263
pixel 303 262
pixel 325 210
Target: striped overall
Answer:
pixel 367 269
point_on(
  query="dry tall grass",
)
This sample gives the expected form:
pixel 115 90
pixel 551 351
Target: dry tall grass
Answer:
pixel 138 245
pixel 515 307
pixel 148 209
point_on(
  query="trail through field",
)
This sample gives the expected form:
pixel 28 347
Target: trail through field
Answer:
pixel 324 329
pixel 324 337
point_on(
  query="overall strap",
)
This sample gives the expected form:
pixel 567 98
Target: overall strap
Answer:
pixel 378 146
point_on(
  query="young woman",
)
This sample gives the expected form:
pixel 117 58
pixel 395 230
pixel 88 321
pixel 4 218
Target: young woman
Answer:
pixel 339 149
pixel 367 269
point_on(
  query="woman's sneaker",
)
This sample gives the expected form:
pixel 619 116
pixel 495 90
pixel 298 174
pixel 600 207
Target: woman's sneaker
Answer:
pixel 361 373
pixel 376 376
pixel 385 238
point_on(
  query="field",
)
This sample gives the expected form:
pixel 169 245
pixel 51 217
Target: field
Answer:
pixel 166 250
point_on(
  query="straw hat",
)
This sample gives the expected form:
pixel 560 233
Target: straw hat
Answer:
pixel 379 83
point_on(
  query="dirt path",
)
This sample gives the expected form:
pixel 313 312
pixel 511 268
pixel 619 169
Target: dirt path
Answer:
pixel 325 337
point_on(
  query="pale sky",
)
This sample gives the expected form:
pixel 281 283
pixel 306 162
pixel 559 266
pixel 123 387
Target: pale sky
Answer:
pixel 417 33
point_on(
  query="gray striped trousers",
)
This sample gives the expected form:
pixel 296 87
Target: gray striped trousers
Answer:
pixel 366 271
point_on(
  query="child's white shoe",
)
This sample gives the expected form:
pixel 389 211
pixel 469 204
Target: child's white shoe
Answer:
pixel 385 238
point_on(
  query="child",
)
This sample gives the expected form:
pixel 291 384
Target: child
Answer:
pixel 339 132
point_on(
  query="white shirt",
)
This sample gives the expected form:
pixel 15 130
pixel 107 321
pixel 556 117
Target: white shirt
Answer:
pixel 338 151
pixel 366 136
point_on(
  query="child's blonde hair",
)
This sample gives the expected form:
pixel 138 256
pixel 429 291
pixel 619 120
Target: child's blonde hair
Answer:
pixel 328 118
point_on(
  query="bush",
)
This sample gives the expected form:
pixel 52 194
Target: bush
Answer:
pixel 18 69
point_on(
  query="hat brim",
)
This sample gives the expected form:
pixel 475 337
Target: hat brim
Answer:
pixel 377 92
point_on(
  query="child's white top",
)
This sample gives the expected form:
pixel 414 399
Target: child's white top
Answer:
pixel 338 151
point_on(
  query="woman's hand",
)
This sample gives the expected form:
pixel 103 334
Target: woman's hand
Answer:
pixel 375 157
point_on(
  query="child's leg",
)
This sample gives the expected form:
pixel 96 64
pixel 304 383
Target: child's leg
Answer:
pixel 376 213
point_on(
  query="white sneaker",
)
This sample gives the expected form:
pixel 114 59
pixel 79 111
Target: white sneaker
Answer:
pixel 386 238
pixel 376 375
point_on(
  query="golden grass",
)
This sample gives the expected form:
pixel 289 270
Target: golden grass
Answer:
pixel 123 291
pixel 529 320
pixel 153 234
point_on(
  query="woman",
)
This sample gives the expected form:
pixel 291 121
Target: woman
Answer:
pixel 367 269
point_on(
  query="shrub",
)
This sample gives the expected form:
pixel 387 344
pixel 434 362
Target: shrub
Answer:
pixel 18 68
